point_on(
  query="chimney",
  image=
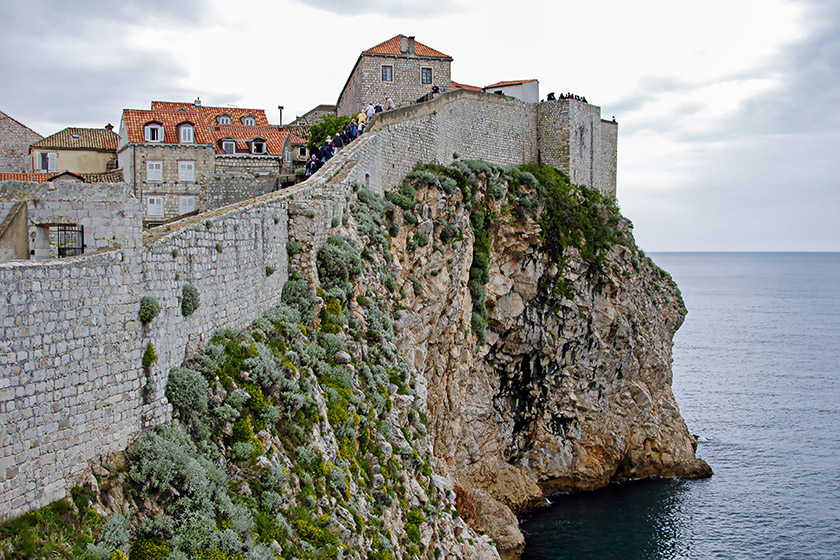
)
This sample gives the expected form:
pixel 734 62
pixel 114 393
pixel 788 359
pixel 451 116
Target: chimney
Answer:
pixel 403 46
pixel 197 102
pixel 411 46
pixel 109 126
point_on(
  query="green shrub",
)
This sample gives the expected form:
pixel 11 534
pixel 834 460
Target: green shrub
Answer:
pixel 310 213
pixel 187 390
pixel 208 224
pixel 149 356
pixel 421 239
pixel 410 218
pixel 149 309
pixel 335 222
pixel 293 247
pixel 189 300
pixel 338 262
pixel 149 548
pixel 219 246
pixel 175 253
pixel 269 270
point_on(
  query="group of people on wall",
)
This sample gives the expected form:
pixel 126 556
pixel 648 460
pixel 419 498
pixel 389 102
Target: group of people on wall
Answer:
pixel 319 155
pixel 551 97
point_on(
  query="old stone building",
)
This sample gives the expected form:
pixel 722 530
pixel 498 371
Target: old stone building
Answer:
pixel 15 139
pixel 400 68
pixel 313 115
pixel 176 154
pixel 78 150
pixel 524 90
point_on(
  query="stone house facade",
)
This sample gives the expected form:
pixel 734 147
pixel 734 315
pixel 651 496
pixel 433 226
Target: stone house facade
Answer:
pixel 400 68
pixel 78 150
pixel 171 153
pixel 15 139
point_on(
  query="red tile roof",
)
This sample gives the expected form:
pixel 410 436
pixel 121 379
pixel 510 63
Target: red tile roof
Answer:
pixel 510 83
pixel 31 176
pixel 393 46
pixel 274 137
pixel 456 85
pixel 73 138
pixel 136 119
pixel 235 113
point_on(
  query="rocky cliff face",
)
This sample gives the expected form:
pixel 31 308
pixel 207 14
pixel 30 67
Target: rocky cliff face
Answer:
pixel 478 338
pixel 573 387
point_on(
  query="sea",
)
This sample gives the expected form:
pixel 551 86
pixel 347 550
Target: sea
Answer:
pixel 757 378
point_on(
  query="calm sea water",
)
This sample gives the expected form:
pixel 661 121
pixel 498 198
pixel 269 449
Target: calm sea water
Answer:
pixel 757 377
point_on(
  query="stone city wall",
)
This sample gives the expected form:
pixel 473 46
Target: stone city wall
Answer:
pixel 72 384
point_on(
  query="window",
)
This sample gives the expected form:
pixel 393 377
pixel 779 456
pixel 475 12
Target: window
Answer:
pixel 47 161
pixel 186 171
pixel 387 73
pixel 249 121
pixel 302 152
pixel 154 206
pixel 154 133
pixel 426 75
pixel 258 146
pixel 154 171
pixel 223 119
pixel 187 204
pixel 228 147
pixel 186 133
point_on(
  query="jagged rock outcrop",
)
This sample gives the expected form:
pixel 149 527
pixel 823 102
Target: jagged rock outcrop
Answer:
pixel 572 389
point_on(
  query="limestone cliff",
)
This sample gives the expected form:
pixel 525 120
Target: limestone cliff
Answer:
pixel 573 387
pixel 452 352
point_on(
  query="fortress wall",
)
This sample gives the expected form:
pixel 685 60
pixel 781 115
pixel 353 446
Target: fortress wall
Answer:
pixel 72 385
pixel 608 158
pixel 70 374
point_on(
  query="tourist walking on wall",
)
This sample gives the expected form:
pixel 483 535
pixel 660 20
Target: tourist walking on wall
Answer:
pixel 389 104
pixel 370 111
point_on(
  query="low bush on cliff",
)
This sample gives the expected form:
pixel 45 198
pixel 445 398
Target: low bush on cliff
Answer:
pixel 149 309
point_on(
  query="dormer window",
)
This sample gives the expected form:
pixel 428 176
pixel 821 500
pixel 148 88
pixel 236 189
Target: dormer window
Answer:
pixel 186 133
pixel 228 147
pixel 258 146
pixel 153 132
pixel 248 121
pixel 223 119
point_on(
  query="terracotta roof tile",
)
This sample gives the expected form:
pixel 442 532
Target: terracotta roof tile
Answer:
pixel 274 136
pixel 236 113
pixel 31 176
pixel 99 139
pixel 393 46
pixel 136 119
pixel 509 83
pixel 456 85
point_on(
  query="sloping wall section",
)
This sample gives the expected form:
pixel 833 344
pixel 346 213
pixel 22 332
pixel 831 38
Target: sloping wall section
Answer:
pixel 72 385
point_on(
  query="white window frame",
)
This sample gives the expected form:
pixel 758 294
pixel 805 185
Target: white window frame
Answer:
pixel 249 120
pixel 431 75
pixel 262 143
pixel 154 206
pixel 49 159
pixel 186 133
pixel 186 171
pixel 153 132
pixel 186 204
pixel 390 72
pixel 225 144
pixel 223 119
pixel 154 172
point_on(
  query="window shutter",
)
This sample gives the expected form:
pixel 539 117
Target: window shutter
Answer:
pixel 51 158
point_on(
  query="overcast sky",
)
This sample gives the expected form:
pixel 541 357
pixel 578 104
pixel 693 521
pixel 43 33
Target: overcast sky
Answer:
pixel 728 110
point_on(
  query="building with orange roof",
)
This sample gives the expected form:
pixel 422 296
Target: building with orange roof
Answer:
pixel 401 68
pixel 15 138
pixel 77 150
pixel 524 90
pixel 177 153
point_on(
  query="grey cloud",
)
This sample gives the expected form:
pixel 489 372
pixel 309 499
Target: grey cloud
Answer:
pixel 77 69
pixel 393 8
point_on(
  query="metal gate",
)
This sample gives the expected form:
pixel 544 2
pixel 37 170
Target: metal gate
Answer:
pixel 70 240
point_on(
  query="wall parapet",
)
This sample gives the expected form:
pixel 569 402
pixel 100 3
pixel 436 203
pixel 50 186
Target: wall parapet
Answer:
pixel 72 386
